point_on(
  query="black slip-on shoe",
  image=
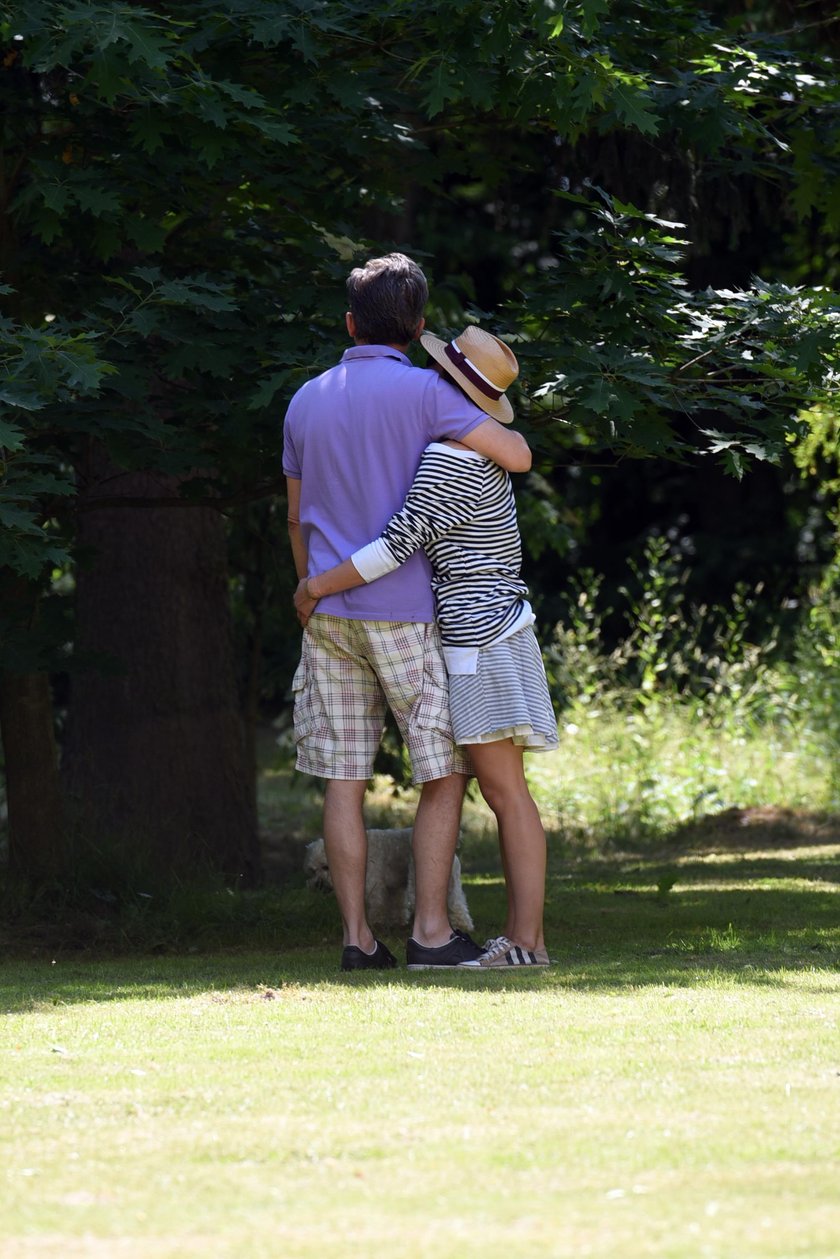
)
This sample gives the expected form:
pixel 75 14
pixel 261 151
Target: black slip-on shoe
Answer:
pixel 354 958
pixel 458 949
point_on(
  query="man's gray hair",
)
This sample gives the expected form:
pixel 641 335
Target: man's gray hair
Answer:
pixel 387 297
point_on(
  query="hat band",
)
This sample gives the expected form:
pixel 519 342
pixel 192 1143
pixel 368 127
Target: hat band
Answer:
pixel 473 375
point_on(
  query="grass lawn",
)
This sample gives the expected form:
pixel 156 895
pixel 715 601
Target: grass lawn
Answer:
pixel 670 1087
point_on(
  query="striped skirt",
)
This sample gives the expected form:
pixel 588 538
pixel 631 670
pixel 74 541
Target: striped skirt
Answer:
pixel 506 698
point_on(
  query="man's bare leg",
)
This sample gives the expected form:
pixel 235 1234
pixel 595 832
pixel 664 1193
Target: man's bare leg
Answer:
pixel 436 826
pixel 345 840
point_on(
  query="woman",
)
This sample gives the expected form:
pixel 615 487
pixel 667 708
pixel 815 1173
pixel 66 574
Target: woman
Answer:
pixel 461 510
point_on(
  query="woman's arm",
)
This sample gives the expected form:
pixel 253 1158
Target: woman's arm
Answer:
pixel 343 576
pixel 503 445
pixel 445 493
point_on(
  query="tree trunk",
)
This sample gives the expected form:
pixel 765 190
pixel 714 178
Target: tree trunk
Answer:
pixel 37 836
pixel 155 754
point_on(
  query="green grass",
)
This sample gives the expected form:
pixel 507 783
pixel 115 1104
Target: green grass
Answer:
pixel 671 1087
pixel 630 777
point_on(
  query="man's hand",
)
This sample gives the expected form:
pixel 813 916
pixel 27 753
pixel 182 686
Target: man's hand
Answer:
pixel 304 603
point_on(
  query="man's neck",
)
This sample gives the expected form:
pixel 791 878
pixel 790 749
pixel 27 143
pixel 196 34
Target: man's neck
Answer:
pixel 390 344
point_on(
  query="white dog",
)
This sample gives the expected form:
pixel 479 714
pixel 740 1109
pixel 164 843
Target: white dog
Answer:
pixel 389 882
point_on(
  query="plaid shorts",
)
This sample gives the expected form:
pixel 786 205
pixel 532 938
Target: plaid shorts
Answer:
pixel 349 673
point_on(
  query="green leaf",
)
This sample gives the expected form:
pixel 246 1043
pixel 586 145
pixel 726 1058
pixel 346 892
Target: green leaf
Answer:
pixel 83 371
pixel 97 199
pixel 211 107
pixel 592 11
pixel 632 105
pixel 23 395
pixel 267 392
pixel 30 556
pixel 106 78
pixel 272 27
pixel 202 295
pixel 279 132
pixel 765 453
pixel 150 127
pixel 145 43
pixel 242 95
pixel 11 437
pixel 55 196
pixel 442 88
pixel 597 397
pixel 14 517
pixel 734 464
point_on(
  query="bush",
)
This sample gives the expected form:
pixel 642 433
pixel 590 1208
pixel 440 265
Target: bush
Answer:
pixel 686 714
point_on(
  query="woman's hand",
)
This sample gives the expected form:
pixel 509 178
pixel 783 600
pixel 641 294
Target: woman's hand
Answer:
pixel 304 601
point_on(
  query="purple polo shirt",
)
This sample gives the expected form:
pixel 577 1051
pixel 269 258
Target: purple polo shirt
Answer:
pixel 353 436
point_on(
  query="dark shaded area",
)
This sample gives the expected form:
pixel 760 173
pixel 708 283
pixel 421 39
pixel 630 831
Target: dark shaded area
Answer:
pixel 759 910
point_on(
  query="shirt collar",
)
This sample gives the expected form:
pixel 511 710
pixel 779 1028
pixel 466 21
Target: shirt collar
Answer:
pixel 374 351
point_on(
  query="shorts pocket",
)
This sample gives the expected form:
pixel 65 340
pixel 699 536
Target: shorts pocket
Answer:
pixel 432 710
pixel 308 709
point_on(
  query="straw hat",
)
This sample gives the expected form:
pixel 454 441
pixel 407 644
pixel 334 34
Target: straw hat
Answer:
pixel 481 364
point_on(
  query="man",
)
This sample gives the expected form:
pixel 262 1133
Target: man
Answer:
pixel 353 439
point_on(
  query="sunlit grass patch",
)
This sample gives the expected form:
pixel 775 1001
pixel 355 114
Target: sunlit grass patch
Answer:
pixel 258 1104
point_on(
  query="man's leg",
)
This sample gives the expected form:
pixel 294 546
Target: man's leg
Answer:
pixel 339 709
pixel 409 664
pixel 345 840
pixel 436 826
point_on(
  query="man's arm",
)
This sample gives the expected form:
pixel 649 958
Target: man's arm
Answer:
pixel 503 445
pixel 299 554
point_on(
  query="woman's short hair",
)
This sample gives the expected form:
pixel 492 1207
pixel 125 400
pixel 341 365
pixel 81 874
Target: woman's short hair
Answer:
pixel 387 297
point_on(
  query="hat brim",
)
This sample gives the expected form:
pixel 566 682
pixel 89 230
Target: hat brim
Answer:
pixel 499 408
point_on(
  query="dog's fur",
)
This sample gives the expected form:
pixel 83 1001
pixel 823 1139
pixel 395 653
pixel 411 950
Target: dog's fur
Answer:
pixel 389 882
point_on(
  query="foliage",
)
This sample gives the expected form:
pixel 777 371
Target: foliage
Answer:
pixel 618 350
pixel 688 713
pixel 814 668
pixel 39 367
pixel 637 780
pixel 140 177
pixel 175 169
pixel 670 651
pixel 813 673
pixel 817 451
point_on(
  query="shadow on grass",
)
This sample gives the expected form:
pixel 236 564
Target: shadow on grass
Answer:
pixel 257 978
pixel 610 925
pixel 749 895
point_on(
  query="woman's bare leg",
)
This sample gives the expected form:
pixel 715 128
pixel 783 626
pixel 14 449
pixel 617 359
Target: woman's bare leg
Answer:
pixel 500 772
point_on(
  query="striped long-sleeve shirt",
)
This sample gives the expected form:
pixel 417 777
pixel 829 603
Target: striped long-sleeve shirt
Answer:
pixel 461 509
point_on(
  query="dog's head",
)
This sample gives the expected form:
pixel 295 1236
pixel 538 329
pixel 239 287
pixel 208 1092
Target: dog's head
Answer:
pixel 315 866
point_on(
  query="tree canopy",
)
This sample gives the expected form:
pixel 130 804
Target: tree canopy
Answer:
pixel 183 193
